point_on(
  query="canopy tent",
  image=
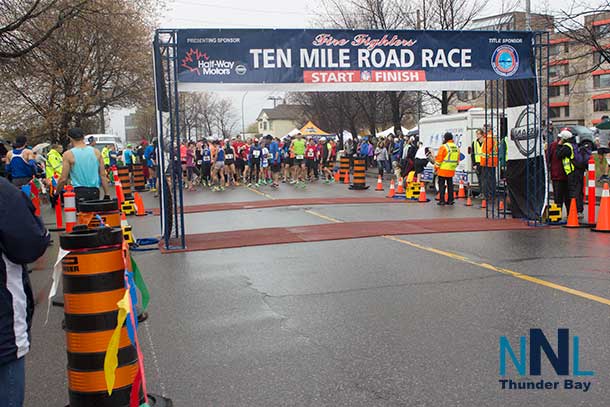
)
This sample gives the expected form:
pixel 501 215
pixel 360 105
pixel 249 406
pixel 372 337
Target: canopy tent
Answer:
pixel 311 129
pixel 293 132
pixel 390 130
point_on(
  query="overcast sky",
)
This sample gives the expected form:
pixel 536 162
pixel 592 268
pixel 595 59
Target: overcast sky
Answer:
pixel 281 14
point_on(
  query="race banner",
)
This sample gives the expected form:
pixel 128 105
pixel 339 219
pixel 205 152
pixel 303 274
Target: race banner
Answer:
pixel 318 59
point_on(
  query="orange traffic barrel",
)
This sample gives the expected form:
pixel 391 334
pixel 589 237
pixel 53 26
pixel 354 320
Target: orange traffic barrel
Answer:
pixel 93 281
pixel 343 166
pixel 125 178
pixel 107 209
pixel 139 183
pixel 359 176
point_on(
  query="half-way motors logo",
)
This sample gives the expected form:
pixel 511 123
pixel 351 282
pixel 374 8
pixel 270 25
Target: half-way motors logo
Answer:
pixel 201 64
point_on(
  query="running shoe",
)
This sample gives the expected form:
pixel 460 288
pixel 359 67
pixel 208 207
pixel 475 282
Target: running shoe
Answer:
pixel 249 185
pixel 293 182
pixel 222 188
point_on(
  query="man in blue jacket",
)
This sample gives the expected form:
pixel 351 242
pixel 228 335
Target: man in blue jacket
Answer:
pixel 23 239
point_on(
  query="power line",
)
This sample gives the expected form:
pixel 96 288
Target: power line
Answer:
pixel 248 10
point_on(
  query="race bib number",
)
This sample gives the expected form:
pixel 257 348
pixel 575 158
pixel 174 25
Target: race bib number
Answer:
pixel 256 153
pixel 300 157
pixel 310 154
pixel 229 156
pixel 198 162
pixel 206 159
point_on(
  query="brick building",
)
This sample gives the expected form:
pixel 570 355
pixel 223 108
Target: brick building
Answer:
pixel 579 81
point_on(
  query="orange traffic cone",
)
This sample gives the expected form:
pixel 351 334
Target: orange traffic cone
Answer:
pixel 422 193
pixel 379 184
pixel 392 191
pixel 501 205
pixel 572 216
pixel 484 203
pixel 461 191
pixel 338 176
pixel 400 189
pixel 346 177
pixel 140 211
pixel 447 196
pixel 438 196
pixel 469 201
pixel 603 220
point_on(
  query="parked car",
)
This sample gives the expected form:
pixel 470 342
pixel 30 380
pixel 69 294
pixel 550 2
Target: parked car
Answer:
pixel 584 135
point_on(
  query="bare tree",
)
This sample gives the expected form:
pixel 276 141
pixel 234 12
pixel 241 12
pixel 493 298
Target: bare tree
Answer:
pixel 225 118
pixel 24 25
pixel 84 68
pixel 448 15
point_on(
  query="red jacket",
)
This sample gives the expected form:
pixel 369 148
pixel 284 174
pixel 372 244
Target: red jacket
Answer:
pixel 557 172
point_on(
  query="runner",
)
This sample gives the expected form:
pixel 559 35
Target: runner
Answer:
pixel 276 160
pixel 190 166
pixel 218 173
pixel 206 166
pixel 230 164
pixel 254 162
pixel 310 160
pixel 325 162
pixel 298 169
pixel 21 165
pixel 264 163
pixel 287 159
pixel 239 159
pixel 244 152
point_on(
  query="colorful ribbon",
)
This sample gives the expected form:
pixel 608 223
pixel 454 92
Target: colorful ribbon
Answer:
pixel 111 359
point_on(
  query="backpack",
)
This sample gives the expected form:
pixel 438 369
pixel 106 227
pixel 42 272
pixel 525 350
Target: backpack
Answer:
pixel 581 157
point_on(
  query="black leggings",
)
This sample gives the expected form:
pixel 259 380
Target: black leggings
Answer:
pixel 206 169
pixel 441 186
pixel 255 169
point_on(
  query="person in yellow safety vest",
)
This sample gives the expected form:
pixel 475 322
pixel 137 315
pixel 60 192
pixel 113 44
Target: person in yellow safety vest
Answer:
pixel 106 157
pixel 54 161
pixel 475 155
pixel 489 162
pixel 566 152
pixel 446 161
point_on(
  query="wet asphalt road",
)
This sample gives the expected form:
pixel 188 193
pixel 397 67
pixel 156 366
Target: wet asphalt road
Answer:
pixel 363 322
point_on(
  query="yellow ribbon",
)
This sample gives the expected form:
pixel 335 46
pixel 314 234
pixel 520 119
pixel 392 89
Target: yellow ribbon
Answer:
pixel 111 360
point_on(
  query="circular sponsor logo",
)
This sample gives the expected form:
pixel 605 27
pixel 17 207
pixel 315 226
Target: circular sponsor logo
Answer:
pixel 525 134
pixel 240 70
pixel 505 60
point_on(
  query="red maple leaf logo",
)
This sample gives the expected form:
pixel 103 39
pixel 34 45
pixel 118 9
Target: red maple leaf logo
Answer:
pixel 192 57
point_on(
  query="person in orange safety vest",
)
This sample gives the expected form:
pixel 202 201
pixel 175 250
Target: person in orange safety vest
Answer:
pixel 447 160
pixel 489 162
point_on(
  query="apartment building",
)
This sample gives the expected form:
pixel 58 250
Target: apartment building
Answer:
pixel 579 80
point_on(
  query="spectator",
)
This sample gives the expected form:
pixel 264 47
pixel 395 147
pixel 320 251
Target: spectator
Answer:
pixel 23 239
pixel 558 176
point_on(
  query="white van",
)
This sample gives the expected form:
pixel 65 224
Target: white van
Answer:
pixel 102 140
pixel 463 126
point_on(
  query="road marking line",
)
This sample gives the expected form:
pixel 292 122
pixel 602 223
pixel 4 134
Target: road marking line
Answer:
pixel 319 215
pixel 260 193
pixel 508 272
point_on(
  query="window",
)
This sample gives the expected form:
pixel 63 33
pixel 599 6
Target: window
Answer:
pixel 555 49
pixel 601 81
pixel 601 105
pixel 601 30
pixel 598 57
pixel 555 91
pixel 557 70
pixel 264 125
pixel 555 112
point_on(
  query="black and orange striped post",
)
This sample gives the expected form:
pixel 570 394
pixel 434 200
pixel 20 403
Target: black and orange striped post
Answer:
pixel 343 167
pixel 359 176
pixel 139 183
pixel 125 178
pixel 107 209
pixel 93 281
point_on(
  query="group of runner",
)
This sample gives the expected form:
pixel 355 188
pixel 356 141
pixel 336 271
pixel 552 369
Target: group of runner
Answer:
pixel 218 164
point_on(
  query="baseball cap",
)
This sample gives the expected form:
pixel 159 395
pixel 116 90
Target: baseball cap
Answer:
pixel 566 134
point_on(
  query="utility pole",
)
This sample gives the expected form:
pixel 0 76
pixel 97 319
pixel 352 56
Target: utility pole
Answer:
pixel 528 15
pixel 275 99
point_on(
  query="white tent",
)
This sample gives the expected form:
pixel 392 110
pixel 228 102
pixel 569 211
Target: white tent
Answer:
pixel 389 131
pixel 347 135
pixel 294 132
